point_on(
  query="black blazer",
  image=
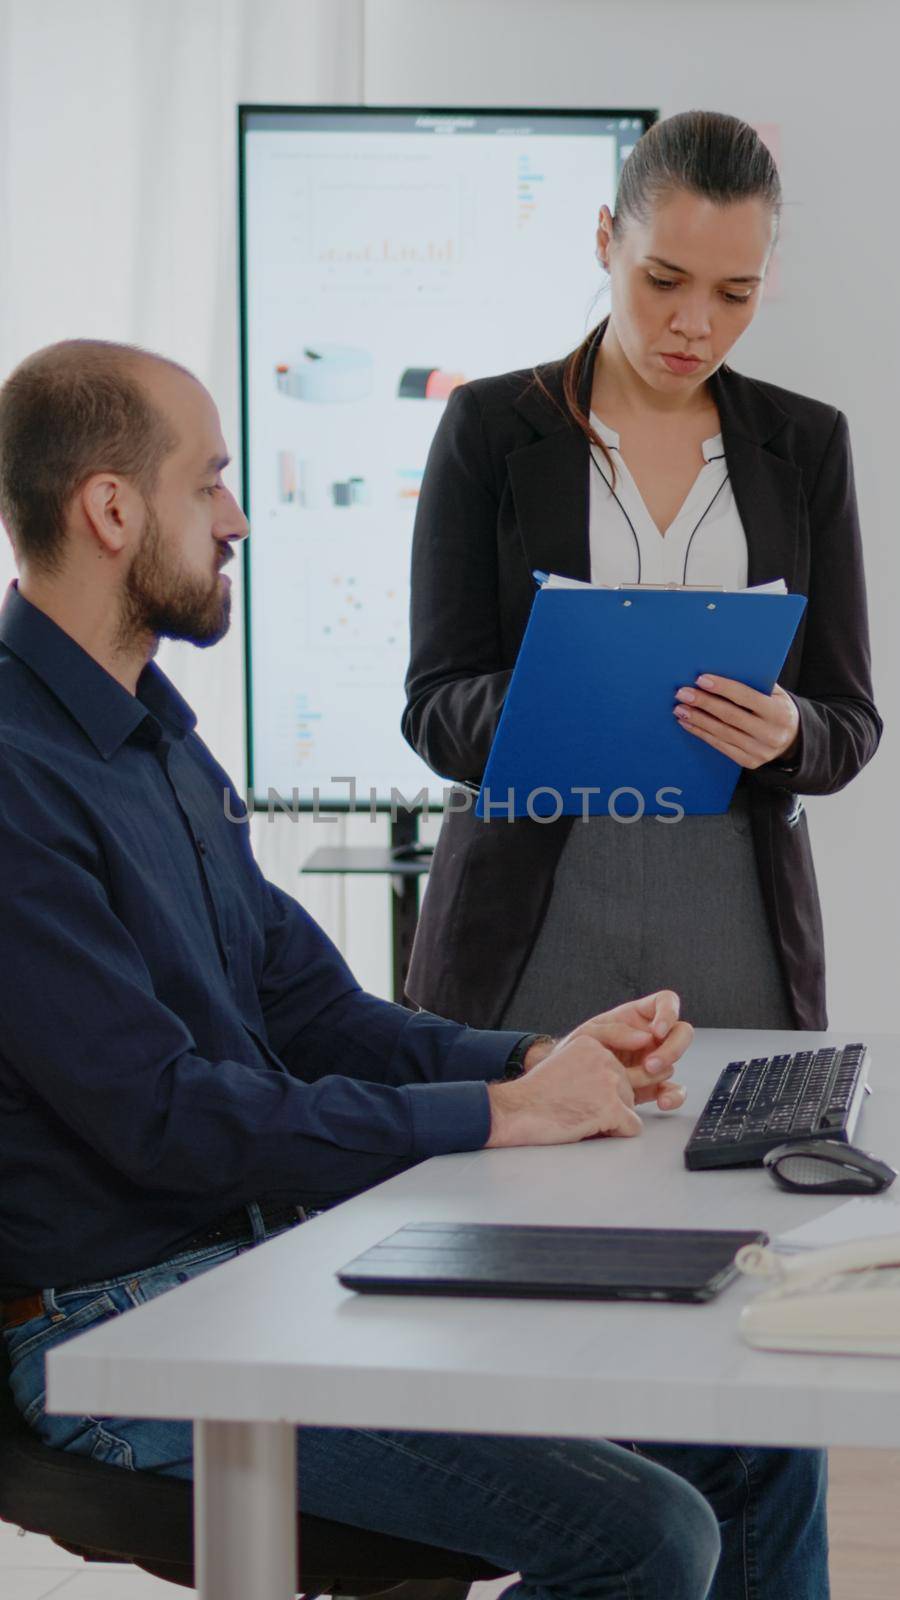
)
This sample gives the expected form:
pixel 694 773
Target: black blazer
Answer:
pixel 506 490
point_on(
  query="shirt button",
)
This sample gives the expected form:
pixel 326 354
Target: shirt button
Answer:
pixel 201 846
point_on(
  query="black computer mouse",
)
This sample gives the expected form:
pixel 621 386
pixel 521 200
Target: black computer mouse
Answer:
pixel 827 1166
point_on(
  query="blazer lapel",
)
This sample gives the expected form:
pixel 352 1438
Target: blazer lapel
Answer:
pixel 549 478
pixel 549 482
pixel 766 487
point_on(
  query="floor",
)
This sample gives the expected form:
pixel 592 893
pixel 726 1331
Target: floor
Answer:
pixel 865 1539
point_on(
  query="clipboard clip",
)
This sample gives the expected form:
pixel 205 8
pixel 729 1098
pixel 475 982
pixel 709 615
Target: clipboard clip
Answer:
pixel 542 578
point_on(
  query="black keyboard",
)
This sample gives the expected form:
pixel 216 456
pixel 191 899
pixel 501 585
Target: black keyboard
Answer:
pixel 756 1105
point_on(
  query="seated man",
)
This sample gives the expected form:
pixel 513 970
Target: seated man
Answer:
pixel 186 1062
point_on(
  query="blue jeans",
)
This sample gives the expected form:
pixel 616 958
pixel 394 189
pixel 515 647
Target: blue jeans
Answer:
pixel 576 1518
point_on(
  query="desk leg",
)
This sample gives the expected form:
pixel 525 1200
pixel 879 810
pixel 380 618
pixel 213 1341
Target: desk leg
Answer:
pixel 245 1510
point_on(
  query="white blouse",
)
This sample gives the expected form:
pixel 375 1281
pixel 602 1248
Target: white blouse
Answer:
pixel 706 542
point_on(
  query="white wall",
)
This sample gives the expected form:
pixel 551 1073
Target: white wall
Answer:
pixel 117 198
pixel 118 193
pixel 826 72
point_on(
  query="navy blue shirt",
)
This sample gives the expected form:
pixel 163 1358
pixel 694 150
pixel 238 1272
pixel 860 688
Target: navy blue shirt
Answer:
pixel 177 1035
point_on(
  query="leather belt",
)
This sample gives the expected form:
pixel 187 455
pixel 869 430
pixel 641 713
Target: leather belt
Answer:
pixel 14 1312
pixel 235 1225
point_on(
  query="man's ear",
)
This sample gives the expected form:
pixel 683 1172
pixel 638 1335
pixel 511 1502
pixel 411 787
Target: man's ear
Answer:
pixel 112 510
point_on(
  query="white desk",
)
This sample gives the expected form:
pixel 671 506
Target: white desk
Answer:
pixel 270 1339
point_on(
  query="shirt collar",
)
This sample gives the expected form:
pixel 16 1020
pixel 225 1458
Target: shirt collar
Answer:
pixel 100 705
pixel 712 448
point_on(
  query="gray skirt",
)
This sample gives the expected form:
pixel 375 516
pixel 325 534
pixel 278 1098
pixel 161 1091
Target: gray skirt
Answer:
pixel 648 905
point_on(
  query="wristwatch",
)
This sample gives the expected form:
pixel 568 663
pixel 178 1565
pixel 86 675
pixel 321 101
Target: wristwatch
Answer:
pixel 515 1061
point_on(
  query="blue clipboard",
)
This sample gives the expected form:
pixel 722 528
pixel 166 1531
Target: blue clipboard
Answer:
pixel 590 703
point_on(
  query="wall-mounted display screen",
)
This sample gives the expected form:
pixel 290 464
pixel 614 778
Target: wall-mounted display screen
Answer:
pixel 386 256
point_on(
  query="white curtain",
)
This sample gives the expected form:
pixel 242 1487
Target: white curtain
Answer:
pixel 118 209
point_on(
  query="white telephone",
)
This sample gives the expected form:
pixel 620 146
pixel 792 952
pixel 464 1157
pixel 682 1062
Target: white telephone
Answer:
pixel 844 1300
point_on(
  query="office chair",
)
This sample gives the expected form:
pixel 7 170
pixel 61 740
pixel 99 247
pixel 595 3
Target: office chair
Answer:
pixel 106 1513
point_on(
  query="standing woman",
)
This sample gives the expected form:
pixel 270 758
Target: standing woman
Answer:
pixel 643 457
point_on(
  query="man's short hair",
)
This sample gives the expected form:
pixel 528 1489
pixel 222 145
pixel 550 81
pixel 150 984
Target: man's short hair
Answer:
pixel 67 412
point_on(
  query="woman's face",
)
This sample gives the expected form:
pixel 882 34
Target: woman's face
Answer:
pixel 685 284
